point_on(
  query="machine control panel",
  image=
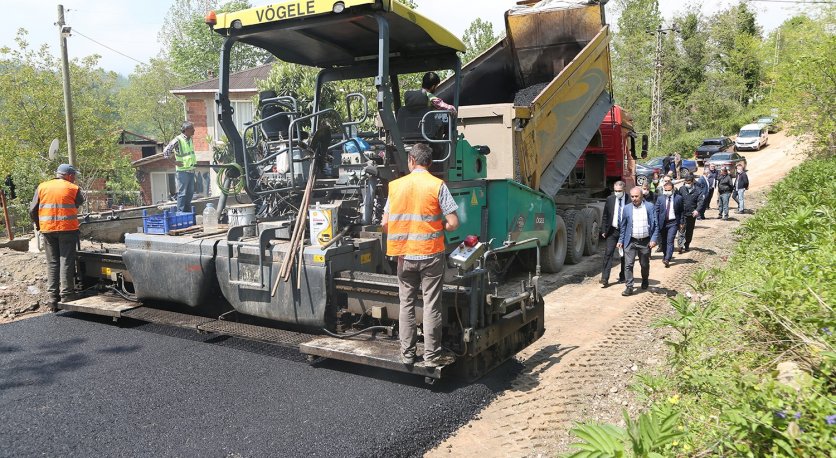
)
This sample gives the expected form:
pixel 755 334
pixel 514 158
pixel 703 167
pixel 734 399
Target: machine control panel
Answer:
pixel 464 256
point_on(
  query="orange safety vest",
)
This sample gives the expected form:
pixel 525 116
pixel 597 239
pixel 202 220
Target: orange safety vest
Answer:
pixel 57 211
pixel 415 219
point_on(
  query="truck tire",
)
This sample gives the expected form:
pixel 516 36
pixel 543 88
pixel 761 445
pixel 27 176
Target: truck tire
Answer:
pixel 553 255
pixel 593 229
pixel 575 236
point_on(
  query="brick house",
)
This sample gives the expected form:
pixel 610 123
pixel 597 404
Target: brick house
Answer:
pixel 156 174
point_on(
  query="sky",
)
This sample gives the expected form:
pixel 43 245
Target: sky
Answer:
pixel 130 27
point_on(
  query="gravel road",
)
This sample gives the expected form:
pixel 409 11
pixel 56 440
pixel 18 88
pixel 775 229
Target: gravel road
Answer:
pixel 72 385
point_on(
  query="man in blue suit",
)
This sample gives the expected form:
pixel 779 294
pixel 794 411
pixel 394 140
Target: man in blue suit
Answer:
pixel 637 236
pixel 670 218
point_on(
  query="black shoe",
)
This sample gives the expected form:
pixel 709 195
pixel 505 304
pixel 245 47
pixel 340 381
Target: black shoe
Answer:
pixel 666 263
pixel 644 284
pixel 681 250
pixel 628 291
pixel 621 279
pixel 604 283
pixel 687 248
pixel 719 216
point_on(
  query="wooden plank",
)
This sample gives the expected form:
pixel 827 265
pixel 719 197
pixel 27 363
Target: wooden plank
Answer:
pixel 100 305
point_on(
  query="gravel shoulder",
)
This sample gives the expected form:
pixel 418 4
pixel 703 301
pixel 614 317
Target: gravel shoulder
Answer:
pixel 596 340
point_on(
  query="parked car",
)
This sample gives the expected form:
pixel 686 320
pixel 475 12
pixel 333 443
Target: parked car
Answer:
pixel 729 160
pixel 751 136
pixel 712 145
pixel 771 123
pixel 655 165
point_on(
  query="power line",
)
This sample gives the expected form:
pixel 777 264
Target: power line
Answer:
pixel 114 50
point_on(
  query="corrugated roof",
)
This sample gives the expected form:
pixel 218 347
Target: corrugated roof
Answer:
pixel 244 80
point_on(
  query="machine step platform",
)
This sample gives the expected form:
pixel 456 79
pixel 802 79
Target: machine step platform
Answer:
pixel 370 351
pixel 100 305
pixel 118 307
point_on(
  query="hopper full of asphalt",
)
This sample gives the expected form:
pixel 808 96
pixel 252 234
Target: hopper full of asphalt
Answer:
pixel 80 386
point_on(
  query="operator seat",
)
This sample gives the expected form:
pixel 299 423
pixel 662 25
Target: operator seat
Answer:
pixel 276 128
pixel 409 118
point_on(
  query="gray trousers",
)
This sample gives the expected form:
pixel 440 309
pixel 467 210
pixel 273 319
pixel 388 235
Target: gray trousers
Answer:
pixel 634 248
pixel 724 204
pixel 60 248
pixel 428 275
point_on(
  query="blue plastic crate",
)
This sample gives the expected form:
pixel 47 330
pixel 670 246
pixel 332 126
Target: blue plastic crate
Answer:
pixel 161 224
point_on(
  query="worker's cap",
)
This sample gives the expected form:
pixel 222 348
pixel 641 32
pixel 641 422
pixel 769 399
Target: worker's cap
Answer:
pixel 66 169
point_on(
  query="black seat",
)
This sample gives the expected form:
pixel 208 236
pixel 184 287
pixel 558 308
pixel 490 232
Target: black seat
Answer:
pixel 416 105
pixel 275 128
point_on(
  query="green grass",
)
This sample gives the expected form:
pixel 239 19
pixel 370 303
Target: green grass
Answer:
pixel 770 305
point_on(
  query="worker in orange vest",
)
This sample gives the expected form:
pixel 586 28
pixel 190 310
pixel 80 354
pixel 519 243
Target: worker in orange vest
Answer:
pixel 54 210
pixel 420 208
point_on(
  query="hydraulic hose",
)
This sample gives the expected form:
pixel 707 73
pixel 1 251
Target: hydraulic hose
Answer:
pixel 222 174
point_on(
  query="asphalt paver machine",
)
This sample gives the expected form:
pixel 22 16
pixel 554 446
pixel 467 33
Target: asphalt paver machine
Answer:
pixel 309 268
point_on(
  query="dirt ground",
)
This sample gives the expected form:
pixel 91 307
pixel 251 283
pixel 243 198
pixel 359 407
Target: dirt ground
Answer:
pixel 23 283
pixel 596 340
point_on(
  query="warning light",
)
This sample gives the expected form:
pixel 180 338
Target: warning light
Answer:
pixel 211 19
pixel 471 240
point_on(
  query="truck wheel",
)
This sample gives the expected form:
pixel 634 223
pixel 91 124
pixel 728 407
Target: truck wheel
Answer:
pixel 575 236
pixel 593 226
pixel 553 254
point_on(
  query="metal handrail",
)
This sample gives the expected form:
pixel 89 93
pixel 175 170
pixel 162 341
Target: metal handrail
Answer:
pixel 448 141
pixel 348 108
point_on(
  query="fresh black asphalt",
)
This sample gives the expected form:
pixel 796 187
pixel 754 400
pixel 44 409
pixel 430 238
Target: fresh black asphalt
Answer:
pixel 71 385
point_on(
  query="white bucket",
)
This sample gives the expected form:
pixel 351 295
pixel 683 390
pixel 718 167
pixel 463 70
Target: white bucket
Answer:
pixel 242 215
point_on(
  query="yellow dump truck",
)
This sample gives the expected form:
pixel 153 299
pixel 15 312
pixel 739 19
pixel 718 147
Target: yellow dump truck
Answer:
pixel 537 99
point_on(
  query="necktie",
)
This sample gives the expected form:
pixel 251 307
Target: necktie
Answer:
pixel 668 208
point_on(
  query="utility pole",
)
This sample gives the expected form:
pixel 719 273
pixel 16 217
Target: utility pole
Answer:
pixel 63 33
pixel 656 91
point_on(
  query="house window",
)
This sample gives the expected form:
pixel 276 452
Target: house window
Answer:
pixel 242 113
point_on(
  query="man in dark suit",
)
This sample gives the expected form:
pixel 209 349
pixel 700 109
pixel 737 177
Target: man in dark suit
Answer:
pixel 670 218
pixel 706 183
pixel 692 203
pixel 610 225
pixel 638 235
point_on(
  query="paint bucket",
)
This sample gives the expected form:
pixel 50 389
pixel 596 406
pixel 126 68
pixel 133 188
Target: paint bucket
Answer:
pixel 242 215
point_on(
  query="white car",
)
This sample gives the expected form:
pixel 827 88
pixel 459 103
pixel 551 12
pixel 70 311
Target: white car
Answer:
pixel 752 137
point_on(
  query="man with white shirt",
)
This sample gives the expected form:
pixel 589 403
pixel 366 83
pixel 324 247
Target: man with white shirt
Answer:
pixel 670 219
pixel 613 209
pixel 638 235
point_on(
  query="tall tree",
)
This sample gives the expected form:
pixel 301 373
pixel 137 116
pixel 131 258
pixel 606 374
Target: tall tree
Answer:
pixel 145 104
pixel 633 57
pixel 805 78
pixel 193 49
pixel 31 115
pixel 478 37
pixel 736 38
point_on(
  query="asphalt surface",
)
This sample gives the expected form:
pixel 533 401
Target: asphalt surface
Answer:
pixel 72 385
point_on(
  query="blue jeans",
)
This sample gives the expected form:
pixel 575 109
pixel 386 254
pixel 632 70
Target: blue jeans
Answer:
pixel 185 190
pixel 724 204
pixel 741 207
